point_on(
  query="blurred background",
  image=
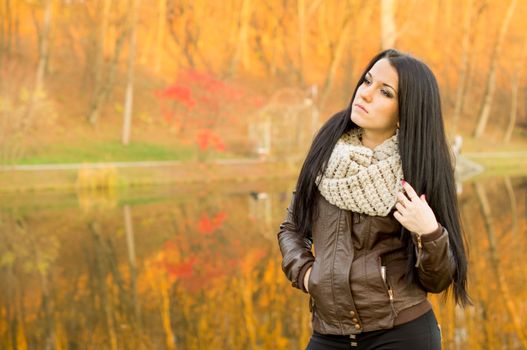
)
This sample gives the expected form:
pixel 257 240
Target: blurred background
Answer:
pixel 148 151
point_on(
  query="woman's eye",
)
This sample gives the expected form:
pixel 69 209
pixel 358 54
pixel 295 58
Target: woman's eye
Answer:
pixel 384 92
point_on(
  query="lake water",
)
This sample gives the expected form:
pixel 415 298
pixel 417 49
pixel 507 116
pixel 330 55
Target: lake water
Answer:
pixel 198 267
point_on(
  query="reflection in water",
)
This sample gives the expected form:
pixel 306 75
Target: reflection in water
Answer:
pixel 202 271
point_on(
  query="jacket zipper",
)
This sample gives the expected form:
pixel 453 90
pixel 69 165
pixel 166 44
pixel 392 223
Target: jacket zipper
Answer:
pixel 352 223
pixel 419 250
pixel 387 286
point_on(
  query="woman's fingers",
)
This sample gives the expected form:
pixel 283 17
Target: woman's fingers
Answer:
pixel 413 211
pixel 398 216
pixel 401 198
pixel 400 208
pixel 410 191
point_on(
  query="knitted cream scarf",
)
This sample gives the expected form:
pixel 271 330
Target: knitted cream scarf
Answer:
pixel 360 179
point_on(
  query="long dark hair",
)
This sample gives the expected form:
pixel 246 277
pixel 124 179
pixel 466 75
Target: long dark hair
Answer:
pixel 425 155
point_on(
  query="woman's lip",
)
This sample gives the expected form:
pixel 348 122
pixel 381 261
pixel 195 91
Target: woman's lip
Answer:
pixel 361 107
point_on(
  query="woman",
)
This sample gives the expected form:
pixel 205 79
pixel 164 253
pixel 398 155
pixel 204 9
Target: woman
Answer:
pixel 376 199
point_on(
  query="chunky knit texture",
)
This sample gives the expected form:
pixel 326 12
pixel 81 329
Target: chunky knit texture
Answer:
pixel 360 179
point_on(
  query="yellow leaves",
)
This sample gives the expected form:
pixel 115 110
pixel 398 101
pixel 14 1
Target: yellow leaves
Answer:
pixel 96 188
pixel 96 178
pixel 21 341
pixel 25 95
pixel 7 259
pixel 118 108
pixel 61 340
pixel 94 292
pixel 267 39
pixel 165 313
pixel 250 260
pixel 146 118
pixel 42 267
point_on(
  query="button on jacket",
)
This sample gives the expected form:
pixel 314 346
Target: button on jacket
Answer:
pixel 357 279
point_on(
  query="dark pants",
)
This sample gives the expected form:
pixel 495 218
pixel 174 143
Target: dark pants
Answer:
pixel 423 333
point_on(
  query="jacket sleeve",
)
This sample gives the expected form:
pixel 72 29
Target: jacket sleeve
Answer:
pixel 296 250
pixel 435 262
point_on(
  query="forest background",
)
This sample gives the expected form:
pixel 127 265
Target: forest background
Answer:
pixel 130 80
pixel 97 96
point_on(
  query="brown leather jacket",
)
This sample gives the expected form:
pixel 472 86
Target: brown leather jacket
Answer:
pixel 356 282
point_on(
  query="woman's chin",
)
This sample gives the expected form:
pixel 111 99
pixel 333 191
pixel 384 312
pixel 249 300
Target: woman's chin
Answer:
pixel 356 119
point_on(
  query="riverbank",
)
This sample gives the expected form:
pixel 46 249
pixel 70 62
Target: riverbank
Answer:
pixel 103 175
pixel 100 176
pixel 499 163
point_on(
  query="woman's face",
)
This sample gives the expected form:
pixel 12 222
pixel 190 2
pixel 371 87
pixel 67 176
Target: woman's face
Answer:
pixel 375 107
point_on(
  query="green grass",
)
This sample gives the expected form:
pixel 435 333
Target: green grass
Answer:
pixel 107 151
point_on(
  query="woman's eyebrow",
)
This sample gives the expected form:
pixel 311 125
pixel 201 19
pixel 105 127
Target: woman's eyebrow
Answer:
pixel 383 83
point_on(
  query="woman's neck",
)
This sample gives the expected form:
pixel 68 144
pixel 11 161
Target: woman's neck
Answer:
pixel 372 140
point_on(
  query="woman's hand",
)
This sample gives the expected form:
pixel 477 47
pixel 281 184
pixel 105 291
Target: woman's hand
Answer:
pixel 413 212
pixel 306 278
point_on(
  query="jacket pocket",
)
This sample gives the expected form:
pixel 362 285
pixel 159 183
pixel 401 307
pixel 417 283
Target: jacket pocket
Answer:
pixel 370 292
pixel 406 293
pixel 320 291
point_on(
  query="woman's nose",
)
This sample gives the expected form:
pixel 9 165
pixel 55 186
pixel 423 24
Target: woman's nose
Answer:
pixel 365 94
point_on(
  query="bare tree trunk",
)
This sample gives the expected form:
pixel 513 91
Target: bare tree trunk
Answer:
pixel 442 19
pixel 292 66
pixel 2 40
pixel 463 70
pixel 303 18
pixel 274 54
pixel 130 243
pixel 336 58
pixel 260 51
pixel 301 7
pixel 129 99
pixel 102 93
pixel 101 43
pixel 503 285
pixel 278 33
pixel 241 52
pixel 475 277
pixel 38 87
pixel 175 13
pixel 6 34
pixel 98 70
pixel 105 296
pixel 69 36
pixel 246 288
pixel 388 26
pixel 4 16
pixel 44 47
pixel 517 76
pixel 490 86
pixel 514 207
pixel 515 87
pixel 9 26
pixel 47 300
pixel 188 44
pixel 337 53
pixel 160 34
pixel 17 29
pixel 389 29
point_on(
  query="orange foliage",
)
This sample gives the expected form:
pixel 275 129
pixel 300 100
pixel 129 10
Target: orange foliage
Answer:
pixel 208 225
